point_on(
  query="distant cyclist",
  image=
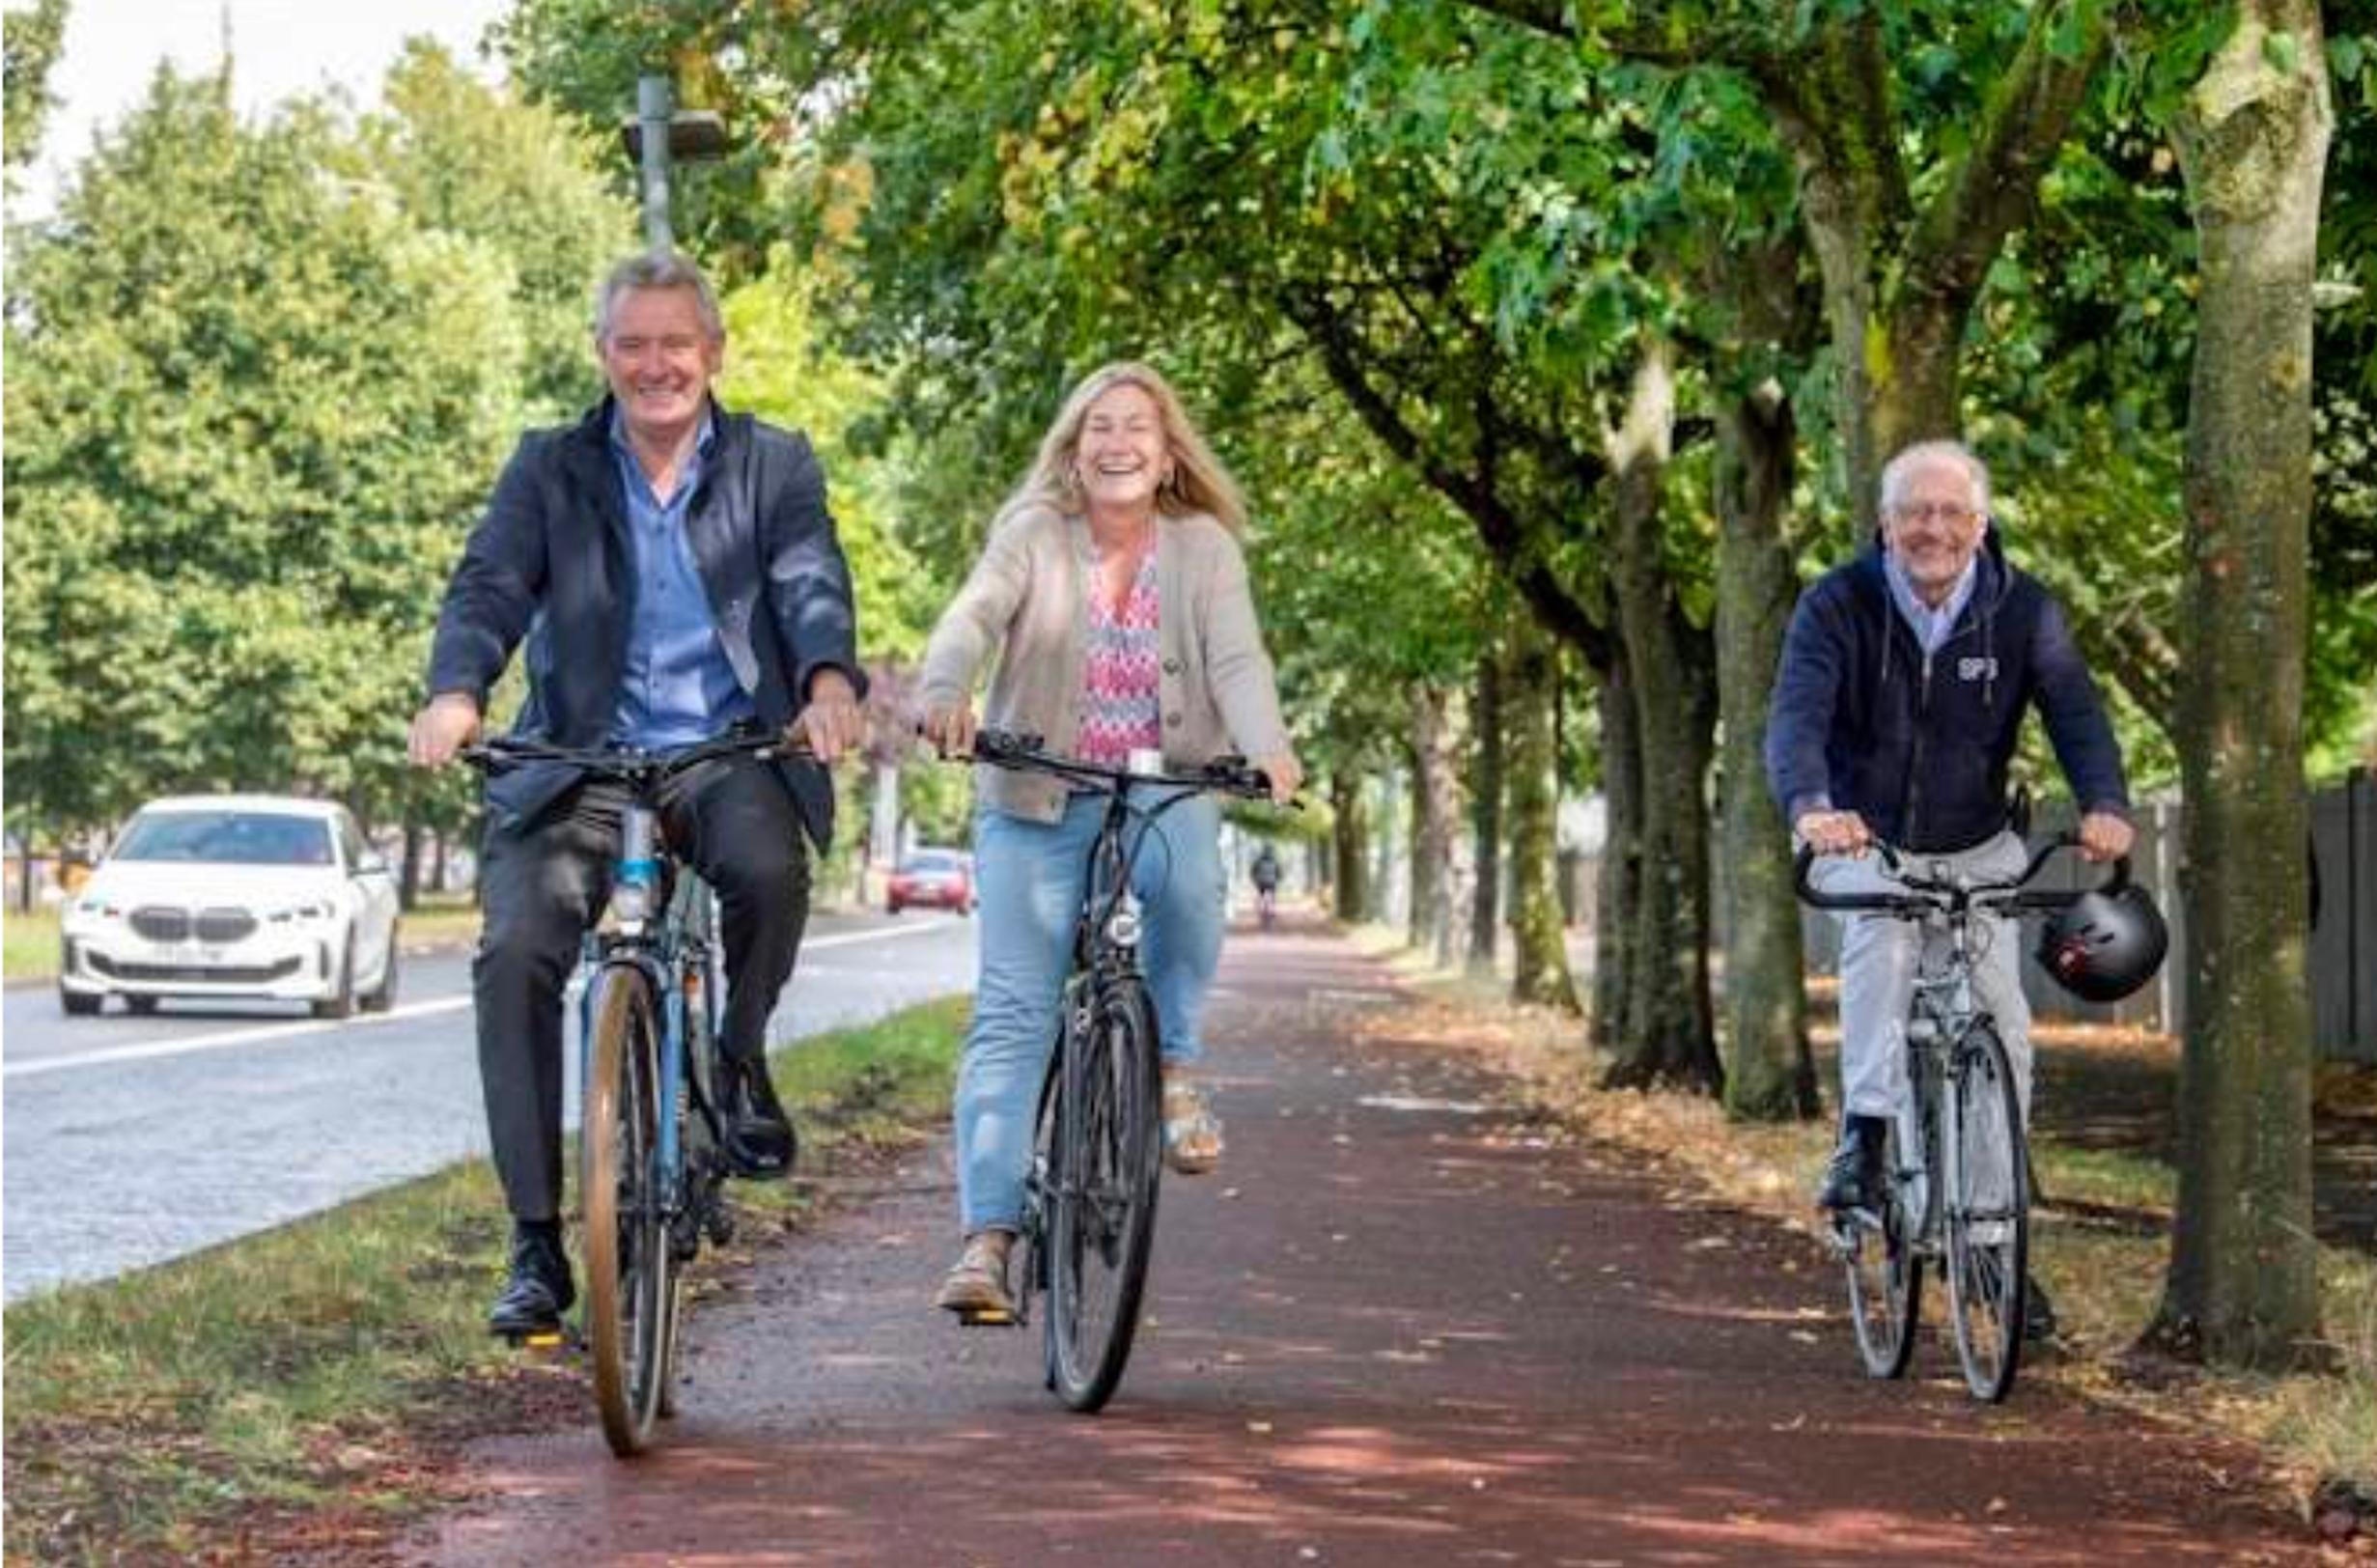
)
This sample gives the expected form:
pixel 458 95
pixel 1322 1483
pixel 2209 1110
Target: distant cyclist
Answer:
pixel 1904 680
pixel 674 571
pixel 1266 873
pixel 1114 590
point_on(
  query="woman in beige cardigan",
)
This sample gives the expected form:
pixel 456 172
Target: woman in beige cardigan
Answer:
pixel 1114 590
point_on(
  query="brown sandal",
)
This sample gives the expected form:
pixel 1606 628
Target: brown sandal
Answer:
pixel 1191 1131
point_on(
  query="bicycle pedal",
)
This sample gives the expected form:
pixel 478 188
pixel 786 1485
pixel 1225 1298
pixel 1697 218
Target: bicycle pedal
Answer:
pixel 987 1317
pixel 541 1340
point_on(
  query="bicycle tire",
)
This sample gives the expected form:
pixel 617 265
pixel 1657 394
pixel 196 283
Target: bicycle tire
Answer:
pixel 630 1274
pixel 1884 1269
pixel 1987 1227
pixel 1108 1154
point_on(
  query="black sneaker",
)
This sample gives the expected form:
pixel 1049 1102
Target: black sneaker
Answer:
pixel 2038 1313
pixel 1855 1177
pixel 540 1289
pixel 760 1142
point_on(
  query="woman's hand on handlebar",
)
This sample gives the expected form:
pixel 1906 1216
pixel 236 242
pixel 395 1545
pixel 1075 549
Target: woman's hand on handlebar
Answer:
pixel 2104 836
pixel 449 722
pixel 1286 775
pixel 950 727
pixel 1833 832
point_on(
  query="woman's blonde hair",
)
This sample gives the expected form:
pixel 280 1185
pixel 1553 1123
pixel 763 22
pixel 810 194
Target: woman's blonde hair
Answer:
pixel 1198 481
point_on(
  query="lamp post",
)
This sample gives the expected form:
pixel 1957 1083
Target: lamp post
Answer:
pixel 660 136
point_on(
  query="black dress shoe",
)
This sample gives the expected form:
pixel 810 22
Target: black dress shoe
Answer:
pixel 759 1135
pixel 1854 1180
pixel 2038 1314
pixel 540 1290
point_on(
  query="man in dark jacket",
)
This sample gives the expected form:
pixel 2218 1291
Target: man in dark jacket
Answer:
pixel 674 571
pixel 1897 708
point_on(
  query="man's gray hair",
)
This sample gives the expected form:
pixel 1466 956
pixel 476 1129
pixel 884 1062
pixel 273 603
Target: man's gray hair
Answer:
pixel 657 270
pixel 1894 472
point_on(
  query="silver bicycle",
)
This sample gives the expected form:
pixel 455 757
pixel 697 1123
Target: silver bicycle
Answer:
pixel 1956 1158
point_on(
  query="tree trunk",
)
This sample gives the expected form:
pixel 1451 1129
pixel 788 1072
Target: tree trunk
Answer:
pixel 1435 807
pixel 1541 971
pixel 439 840
pixel 1486 810
pixel 1348 845
pixel 2243 1284
pixel 409 880
pixel 1620 889
pixel 1771 1073
pixel 1669 1034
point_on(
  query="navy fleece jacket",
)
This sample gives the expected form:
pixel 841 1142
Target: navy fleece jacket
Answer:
pixel 1864 720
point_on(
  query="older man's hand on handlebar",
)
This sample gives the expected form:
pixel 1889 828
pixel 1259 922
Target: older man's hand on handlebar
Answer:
pixel 1833 832
pixel 2104 836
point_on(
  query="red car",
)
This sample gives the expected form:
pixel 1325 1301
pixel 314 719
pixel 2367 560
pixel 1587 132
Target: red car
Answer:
pixel 932 879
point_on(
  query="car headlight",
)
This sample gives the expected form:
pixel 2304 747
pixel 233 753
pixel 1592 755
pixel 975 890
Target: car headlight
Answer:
pixel 304 915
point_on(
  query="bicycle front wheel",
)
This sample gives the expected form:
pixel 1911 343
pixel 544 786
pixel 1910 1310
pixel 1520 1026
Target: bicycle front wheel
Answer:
pixel 629 1276
pixel 1886 1271
pixel 1102 1213
pixel 1988 1213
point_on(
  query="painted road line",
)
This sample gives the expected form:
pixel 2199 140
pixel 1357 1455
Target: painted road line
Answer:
pixel 230 1039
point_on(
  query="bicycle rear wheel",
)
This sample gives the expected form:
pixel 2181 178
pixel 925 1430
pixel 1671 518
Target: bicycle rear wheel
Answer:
pixel 1988 1215
pixel 1886 1271
pixel 631 1278
pixel 1102 1213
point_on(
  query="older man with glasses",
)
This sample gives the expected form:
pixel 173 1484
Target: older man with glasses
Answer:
pixel 1897 709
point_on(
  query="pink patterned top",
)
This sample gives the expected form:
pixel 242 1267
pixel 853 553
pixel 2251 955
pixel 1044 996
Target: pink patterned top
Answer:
pixel 1121 674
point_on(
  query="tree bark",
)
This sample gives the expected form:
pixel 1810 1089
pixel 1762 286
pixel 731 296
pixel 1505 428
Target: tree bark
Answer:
pixel 1770 1073
pixel 1486 810
pixel 1669 1034
pixel 1349 844
pixel 2253 134
pixel 1620 886
pixel 1541 971
pixel 1436 800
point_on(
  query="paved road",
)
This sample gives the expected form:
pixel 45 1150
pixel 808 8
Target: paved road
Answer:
pixel 131 1141
pixel 1400 1327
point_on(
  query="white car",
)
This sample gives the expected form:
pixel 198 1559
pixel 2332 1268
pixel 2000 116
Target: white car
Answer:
pixel 251 896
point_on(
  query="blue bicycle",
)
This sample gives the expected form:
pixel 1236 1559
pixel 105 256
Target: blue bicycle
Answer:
pixel 652 1141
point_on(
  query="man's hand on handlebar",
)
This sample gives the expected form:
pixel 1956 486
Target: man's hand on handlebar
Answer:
pixel 2104 836
pixel 449 722
pixel 950 727
pixel 830 722
pixel 1833 832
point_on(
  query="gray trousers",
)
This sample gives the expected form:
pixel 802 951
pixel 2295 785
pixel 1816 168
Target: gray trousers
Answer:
pixel 731 819
pixel 1879 958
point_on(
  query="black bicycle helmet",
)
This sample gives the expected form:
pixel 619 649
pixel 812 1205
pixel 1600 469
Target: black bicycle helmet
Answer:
pixel 2106 944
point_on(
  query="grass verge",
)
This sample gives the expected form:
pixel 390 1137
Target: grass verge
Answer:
pixel 28 944
pixel 299 1383
pixel 2101 1242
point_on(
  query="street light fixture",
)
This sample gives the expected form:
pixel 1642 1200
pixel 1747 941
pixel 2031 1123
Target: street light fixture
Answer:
pixel 660 135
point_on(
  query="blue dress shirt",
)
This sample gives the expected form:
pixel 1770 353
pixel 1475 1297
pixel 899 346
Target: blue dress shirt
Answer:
pixel 678 687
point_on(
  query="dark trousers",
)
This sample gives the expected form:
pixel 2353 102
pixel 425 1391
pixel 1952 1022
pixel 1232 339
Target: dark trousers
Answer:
pixel 734 822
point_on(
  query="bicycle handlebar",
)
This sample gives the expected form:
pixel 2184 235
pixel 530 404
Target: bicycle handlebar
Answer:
pixel 500 754
pixel 1023 752
pixel 1923 894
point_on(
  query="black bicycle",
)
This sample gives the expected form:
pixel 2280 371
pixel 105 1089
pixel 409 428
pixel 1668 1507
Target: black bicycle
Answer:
pixel 1090 1207
pixel 651 1142
pixel 1956 1158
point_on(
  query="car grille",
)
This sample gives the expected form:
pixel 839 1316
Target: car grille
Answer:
pixel 164 923
pixel 160 924
pixel 225 975
pixel 224 925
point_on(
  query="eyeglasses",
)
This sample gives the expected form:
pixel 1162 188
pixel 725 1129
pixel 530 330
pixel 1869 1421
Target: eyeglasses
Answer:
pixel 1946 511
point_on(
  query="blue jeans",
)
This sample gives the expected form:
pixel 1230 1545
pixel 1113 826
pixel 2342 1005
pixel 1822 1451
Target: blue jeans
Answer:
pixel 1028 875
